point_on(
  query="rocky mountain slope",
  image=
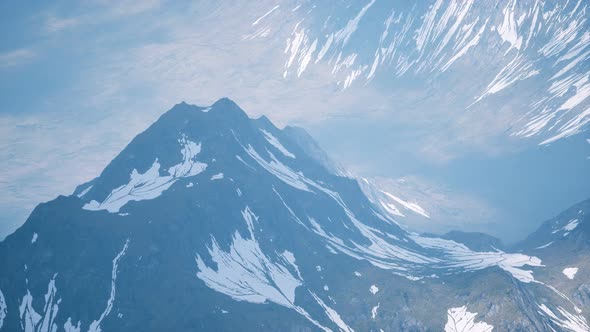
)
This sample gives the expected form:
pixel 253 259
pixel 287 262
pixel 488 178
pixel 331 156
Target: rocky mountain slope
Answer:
pixel 210 220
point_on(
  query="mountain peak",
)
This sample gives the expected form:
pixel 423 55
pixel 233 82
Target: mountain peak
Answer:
pixel 227 105
pixel 225 102
pixel 222 213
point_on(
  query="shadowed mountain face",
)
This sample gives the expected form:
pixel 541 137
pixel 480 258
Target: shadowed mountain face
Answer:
pixel 212 221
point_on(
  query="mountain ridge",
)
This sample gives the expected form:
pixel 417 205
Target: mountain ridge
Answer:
pixel 226 226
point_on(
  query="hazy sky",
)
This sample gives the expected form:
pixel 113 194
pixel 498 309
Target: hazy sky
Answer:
pixel 79 80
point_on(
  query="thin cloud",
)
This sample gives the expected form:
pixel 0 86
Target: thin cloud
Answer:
pixel 16 58
pixel 97 12
pixel 55 24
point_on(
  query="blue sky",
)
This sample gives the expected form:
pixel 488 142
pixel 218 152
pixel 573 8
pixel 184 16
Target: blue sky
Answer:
pixel 80 80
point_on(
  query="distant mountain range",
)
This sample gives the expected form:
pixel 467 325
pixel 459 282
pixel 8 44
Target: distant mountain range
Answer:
pixel 213 221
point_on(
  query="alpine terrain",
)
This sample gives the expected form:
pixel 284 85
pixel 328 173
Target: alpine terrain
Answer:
pixel 212 221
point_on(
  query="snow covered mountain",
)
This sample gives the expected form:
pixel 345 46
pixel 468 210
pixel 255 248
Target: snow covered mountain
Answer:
pixel 213 221
pixel 531 57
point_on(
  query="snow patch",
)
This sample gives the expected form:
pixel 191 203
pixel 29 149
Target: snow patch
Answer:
pixel 217 176
pixel 570 272
pixel 151 184
pixel 290 258
pixel 571 225
pixel 69 327
pixel 508 30
pixel 461 320
pixel 333 315
pixel 373 289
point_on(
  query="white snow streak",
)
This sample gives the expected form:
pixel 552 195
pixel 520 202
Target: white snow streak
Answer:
pixel 151 184
pixel 333 315
pixel 3 309
pixel 265 15
pixel 280 170
pixel 95 325
pixel 31 321
pixel 459 256
pixel 508 30
pixel 408 205
pixel 275 142
pixel 374 311
pixel 567 321
pixel 545 245
pixel 84 192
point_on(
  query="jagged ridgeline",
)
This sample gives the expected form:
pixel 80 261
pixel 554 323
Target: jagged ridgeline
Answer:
pixel 212 221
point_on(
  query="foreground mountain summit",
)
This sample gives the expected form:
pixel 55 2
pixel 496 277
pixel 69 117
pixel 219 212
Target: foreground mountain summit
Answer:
pixel 212 221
